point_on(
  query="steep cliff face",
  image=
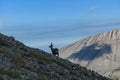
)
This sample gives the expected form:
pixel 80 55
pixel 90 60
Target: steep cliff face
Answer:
pixel 19 62
pixel 100 53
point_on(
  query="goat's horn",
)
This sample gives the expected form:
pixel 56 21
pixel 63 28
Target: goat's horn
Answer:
pixel 51 42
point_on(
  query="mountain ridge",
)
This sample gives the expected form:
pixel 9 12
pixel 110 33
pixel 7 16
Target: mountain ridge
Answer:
pixel 20 62
pixel 96 52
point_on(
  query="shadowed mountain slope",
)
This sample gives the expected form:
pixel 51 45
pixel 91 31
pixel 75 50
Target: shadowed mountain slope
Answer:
pixel 19 62
pixel 85 53
pixel 100 53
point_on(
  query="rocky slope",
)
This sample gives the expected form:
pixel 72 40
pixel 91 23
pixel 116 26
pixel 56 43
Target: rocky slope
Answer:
pixel 100 53
pixel 19 62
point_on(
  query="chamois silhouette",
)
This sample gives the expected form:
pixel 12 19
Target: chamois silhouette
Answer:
pixel 55 51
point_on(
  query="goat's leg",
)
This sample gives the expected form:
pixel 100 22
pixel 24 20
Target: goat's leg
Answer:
pixel 58 55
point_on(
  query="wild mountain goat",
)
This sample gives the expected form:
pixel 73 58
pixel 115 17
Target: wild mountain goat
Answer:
pixel 55 51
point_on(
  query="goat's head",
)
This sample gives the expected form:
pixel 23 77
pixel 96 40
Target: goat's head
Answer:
pixel 51 45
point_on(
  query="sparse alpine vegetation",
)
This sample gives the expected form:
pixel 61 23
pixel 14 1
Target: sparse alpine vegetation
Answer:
pixel 19 62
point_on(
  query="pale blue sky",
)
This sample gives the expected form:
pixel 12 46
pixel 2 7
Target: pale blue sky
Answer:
pixel 38 22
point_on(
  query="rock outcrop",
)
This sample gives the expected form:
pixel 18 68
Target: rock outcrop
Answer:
pixel 20 62
pixel 100 53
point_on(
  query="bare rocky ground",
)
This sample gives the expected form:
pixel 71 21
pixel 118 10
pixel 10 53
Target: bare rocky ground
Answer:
pixel 20 62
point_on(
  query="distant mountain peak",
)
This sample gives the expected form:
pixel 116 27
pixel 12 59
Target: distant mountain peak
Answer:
pixel 99 53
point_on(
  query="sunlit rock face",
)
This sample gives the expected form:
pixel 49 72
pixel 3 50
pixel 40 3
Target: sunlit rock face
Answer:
pixel 100 53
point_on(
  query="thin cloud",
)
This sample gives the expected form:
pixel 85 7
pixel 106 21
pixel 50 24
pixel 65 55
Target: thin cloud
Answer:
pixel 3 18
pixel 8 17
pixel 92 9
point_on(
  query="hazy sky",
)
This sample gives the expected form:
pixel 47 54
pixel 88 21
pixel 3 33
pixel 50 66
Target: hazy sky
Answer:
pixel 38 22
